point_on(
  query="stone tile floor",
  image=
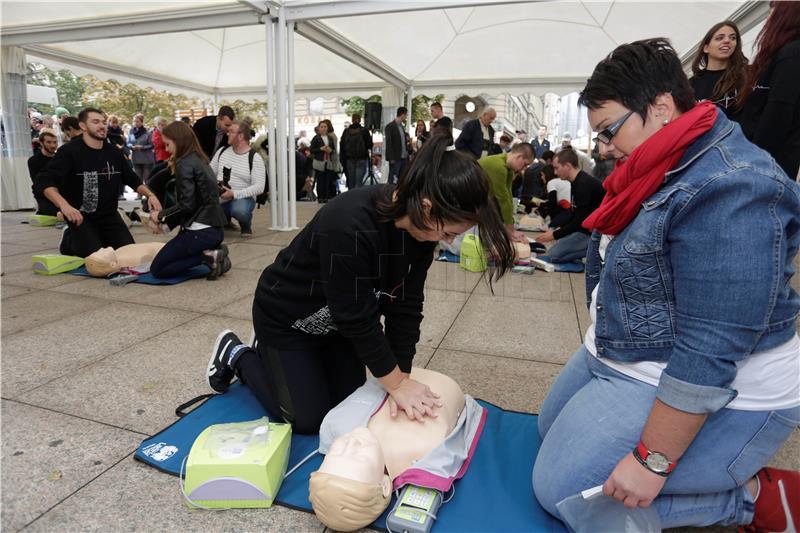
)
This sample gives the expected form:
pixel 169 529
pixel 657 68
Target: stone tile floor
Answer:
pixel 90 370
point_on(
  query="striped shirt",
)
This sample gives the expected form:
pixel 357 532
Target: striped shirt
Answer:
pixel 242 182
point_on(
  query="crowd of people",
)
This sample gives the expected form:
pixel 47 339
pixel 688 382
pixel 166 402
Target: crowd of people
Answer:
pixel 686 383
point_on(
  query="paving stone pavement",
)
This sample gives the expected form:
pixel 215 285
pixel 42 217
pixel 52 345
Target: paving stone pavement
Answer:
pixel 90 370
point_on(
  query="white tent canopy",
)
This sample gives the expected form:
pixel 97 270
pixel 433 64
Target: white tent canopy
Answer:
pixel 217 48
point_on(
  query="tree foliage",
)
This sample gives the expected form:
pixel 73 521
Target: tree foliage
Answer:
pixel 420 106
pixel 355 104
pixel 255 110
pixel 69 87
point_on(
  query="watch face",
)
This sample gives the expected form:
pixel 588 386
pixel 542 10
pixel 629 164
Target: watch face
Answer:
pixel 657 462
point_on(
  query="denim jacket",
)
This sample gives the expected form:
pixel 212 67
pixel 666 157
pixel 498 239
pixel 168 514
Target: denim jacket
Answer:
pixel 700 278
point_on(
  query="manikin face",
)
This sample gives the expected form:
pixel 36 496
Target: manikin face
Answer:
pixel 356 455
pixel 49 144
pixel 95 126
pixel 722 44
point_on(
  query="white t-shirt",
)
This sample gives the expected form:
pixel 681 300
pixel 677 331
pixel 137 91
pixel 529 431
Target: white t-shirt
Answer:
pixel 563 189
pixel 765 381
pixel 485 131
pixel 243 184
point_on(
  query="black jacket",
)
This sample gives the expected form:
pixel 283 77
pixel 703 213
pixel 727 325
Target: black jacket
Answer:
pixel 540 148
pixel 197 195
pixel 206 131
pixel 587 194
pixel 471 138
pixel 771 115
pixel 355 129
pixel 392 142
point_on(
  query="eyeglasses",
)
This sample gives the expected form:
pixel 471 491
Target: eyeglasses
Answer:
pixel 607 134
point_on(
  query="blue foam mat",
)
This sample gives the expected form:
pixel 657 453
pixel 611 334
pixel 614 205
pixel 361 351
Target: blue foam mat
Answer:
pixel 495 495
pixel 200 271
pixel 576 266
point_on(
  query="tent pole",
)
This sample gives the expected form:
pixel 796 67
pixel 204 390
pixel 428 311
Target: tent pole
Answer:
pixel 290 137
pixel 273 191
pixel 410 104
pixel 281 145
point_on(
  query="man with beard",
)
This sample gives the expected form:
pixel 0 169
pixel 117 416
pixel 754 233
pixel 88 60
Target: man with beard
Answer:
pixel 48 143
pixel 83 181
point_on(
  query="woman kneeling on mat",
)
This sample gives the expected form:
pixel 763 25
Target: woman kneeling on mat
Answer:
pixel 197 210
pixel 687 382
pixel 365 255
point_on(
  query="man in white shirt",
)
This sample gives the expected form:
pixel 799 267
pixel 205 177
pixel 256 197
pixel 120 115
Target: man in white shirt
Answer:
pixel 242 176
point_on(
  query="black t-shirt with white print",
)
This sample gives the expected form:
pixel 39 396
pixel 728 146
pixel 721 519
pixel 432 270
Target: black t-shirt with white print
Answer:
pixel 88 178
pixel 345 270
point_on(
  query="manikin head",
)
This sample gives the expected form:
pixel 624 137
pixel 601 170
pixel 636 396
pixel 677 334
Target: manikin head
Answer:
pixel 351 489
pixel 102 263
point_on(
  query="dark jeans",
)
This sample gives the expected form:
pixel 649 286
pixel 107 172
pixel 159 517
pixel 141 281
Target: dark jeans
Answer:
pixel 301 386
pixel 355 170
pixel 95 232
pixel 242 210
pixel 44 206
pixel 185 251
pixel 326 184
pixel 396 170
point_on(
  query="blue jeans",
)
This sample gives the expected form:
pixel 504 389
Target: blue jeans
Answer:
pixel 241 210
pixel 593 416
pixel 569 248
pixel 185 251
pixel 355 170
pixel 396 170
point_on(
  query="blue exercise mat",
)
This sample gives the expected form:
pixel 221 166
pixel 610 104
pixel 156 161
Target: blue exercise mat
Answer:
pixel 576 266
pixel 448 257
pixel 200 271
pixel 495 495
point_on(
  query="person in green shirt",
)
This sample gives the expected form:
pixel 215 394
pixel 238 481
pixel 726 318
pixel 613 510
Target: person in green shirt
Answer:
pixel 500 170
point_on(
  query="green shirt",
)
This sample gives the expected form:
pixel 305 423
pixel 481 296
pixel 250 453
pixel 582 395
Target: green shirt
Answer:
pixel 500 178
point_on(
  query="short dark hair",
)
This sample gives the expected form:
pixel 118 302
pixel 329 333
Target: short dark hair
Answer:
pixel 523 147
pixel 84 114
pixel 567 155
pixel 356 117
pixel 505 137
pixel 402 111
pixel 436 104
pixel 549 173
pixel 70 123
pixel 226 111
pixel 635 74
pixel 549 154
pixel 47 133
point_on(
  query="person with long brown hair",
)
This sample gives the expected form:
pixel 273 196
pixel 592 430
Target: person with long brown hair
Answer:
pixel 720 68
pixel 770 103
pixel 196 211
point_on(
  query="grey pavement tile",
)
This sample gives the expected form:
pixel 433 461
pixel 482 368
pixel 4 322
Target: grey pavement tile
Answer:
pixel 538 286
pixel 31 310
pixel 245 251
pixel 423 356
pixel 513 327
pixel 39 237
pixel 267 257
pixel 788 457
pixel 579 294
pixel 51 350
pixel 242 308
pixel 10 291
pixel 206 296
pixel 509 383
pixel 451 277
pixel 26 278
pixel 101 288
pixel 17 249
pixel 135 497
pixel 47 456
pixel 275 238
pixel 439 312
pixel 140 387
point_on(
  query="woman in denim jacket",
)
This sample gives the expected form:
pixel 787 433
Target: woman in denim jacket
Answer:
pixel 687 383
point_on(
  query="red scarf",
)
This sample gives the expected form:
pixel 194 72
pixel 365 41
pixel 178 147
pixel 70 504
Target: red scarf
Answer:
pixel 643 172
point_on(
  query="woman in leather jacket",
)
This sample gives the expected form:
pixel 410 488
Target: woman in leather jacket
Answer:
pixel 197 210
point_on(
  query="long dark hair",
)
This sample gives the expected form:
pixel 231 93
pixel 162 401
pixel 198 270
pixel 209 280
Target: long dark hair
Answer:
pixel 458 190
pixel 782 27
pixel 735 77
pixel 185 141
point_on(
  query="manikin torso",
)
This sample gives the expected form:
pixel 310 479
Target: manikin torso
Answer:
pixel 395 443
pixel 107 261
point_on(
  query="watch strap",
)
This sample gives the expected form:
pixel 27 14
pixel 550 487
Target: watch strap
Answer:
pixel 641 453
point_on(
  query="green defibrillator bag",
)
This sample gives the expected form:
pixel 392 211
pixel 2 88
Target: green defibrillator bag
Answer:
pixel 473 256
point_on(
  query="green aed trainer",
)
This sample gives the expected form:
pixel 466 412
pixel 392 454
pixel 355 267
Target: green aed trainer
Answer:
pixel 42 220
pixel 50 264
pixel 239 465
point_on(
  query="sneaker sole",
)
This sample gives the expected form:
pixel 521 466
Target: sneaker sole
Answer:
pixel 214 351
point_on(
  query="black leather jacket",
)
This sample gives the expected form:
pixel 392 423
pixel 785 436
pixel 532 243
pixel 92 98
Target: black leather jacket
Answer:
pixel 197 195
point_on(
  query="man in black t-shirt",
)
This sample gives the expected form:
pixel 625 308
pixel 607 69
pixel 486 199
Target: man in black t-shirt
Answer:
pixel 48 143
pixel 587 194
pixel 83 181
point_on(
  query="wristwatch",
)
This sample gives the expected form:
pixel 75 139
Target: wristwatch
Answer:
pixel 656 462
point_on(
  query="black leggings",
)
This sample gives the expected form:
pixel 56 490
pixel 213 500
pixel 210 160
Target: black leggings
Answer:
pixel 301 386
pixel 95 232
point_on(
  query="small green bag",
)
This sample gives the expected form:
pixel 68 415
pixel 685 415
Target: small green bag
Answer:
pixel 473 256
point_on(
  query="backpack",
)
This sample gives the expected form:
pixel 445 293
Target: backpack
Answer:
pixel 262 198
pixel 354 145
